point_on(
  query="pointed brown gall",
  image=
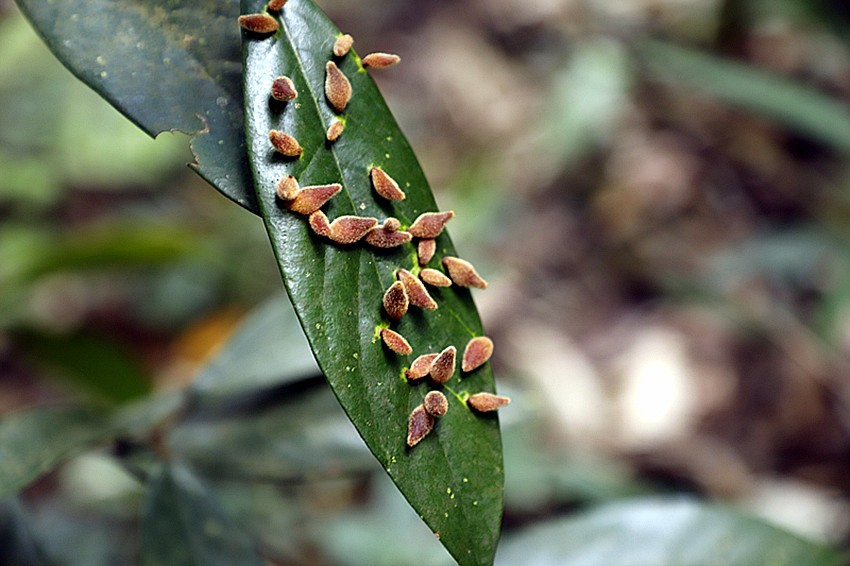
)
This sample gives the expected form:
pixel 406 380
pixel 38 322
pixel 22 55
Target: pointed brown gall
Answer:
pixel 259 23
pixel 380 60
pixel 385 185
pixel 395 342
pixel 334 130
pixel 276 5
pixel 310 199
pixel 435 278
pixel 435 404
pixel 485 402
pixel 430 224
pixel 349 229
pixel 391 224
pixel 420 367
pixel 319 223
pixel 416 291
pixel 283 89
pixel 425 250
pixel 395 301
pixel 419 425
pixel 287 188
pixel 285 143
pixel 337 87
pixel 477 351
pixel 463 273
pixel 380 237
pixel 342 45
pixel 443 366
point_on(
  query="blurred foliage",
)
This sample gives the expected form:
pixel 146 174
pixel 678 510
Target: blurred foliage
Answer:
pixel 634 166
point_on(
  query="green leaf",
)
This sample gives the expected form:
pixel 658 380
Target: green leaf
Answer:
pixel 771 96
pixel 164 66
pixel 268 349
pixel 33 442
pixel 98 364
pixel 454 477
pixel 288 433
pixel 183 525
pixel 662 531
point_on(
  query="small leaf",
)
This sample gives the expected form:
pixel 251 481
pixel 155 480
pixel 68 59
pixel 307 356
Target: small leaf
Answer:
pixel 293 431
pixel 267 350
pixel 98 364
pixel 33 442
pixel 453 478
pixel 646 532
pixel 164 66
pixel 793 104
pixel 183 525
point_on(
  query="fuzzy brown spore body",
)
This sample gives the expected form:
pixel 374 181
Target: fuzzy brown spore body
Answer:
pixel 486 402
pixel 380 237
pixel 334 131
pixel 416 291
pixel 477 352
pixel 312 198
pixel 419 424
pixel 385 185
pixel 396 342
pixel 350 229
pixel 443 366
pixel 276 5
pixel 436 404
pixel 380 60
pixel 425 250
pixel 319 223
pixel 259 23
pixel 429 225
pixel 287 188
pixel 337 87
pixel 434 278
pixel 463 273
pixel 395 301
pixel 285 143
pixel 342 45
pixel 420 367
pixel 283 89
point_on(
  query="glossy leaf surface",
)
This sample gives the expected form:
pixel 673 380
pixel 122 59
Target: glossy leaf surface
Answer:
pixel 655 531
pixel 166 66
pixel 453 478
pixel 34 442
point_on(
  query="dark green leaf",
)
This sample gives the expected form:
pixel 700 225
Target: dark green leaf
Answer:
pixel 268 349
pixel 662 531
pixel 453 478
pixel 34 442
pixel 98 364
pixel 183 525
pixel 790 103
pixel 291 432
pixel 164 65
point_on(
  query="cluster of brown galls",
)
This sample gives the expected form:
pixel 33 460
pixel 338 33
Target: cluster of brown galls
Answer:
pixel 408 289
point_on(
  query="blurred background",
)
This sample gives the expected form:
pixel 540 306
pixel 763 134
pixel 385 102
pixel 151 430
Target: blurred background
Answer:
pixel 657 191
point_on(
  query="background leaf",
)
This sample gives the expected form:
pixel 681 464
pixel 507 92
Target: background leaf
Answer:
pixel 662 531
pixel 772 96
pixel 164 66
pixel 267 350
pixel 33 442
pixel 182 525
pixel 454 477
